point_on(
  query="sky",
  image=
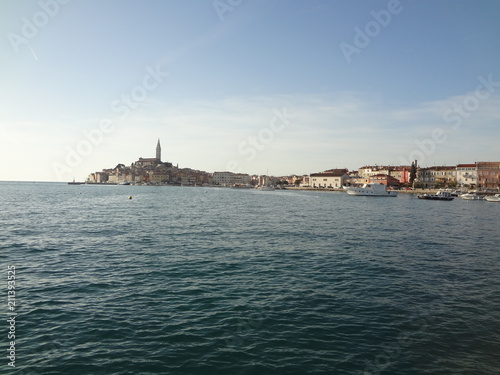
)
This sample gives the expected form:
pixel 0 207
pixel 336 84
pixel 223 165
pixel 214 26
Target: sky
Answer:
pixel 253 86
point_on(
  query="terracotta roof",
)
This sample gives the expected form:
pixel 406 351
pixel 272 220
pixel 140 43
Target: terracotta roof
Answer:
pixel 440 168
pixel 327 174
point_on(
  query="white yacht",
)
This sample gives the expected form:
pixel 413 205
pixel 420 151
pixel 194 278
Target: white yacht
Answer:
pixel 493 198
pixel 474 196
pixel 372 190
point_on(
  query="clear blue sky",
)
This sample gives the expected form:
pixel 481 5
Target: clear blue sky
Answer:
pixel 359 82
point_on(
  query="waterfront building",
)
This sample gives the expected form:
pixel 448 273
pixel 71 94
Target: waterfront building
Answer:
pixel 188 180
pixel 223 178
pixel 158 177
pixel 467 175
pixel 369 170
pixel 437 176
pixel 241 179
pixel 488 175
pixel 230 179
pixel 98 177
pixel 329 179
pixel 383 179
pixel 112 179
pixel 401 173
pixel 295 180
pixel 305 181
pixel 356 179
pixel 264 180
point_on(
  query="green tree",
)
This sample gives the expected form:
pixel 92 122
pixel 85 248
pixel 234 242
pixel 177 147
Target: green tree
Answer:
pixel 413 173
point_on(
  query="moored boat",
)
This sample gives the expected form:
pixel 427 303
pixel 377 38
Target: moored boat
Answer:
pixel 474 196
pixel 370 190
pixel 239 186
pixel 439 196
pixel 493 198
pixel 75 183
pixel 265 188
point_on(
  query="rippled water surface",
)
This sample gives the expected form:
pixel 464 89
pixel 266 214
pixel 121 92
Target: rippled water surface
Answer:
pixel 184 280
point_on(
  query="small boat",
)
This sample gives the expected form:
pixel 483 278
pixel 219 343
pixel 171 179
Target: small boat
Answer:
pixel 493 198
pixel 266 188
pixel 474 196
pixel 439 196
pixel 75 183
pixel 370 190
pixel 238 186
pixel 453 192
pixel 124 183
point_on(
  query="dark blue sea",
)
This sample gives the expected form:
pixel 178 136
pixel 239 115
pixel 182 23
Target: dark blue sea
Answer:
pixel 181 280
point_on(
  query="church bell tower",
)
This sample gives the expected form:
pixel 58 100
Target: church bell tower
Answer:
pixel 158 151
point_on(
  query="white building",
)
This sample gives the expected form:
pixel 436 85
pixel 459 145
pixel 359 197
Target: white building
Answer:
pixel 368 171
pixel 466 175
pixel 241 179
pixel 230 179
pixel 328 180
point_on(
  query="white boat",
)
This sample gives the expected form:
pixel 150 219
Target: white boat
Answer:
pixel 439 196
pixel 474 196
pixel 372 190
pixel 453 192
pixel 266 188
pixel 494 198
pixel 238 186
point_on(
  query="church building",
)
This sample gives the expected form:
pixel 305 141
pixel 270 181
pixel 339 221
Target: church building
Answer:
pixel 145 162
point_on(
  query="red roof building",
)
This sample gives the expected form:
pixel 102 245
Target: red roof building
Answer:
pixel 384 179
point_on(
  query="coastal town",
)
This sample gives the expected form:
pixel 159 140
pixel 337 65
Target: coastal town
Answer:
pixel 481 175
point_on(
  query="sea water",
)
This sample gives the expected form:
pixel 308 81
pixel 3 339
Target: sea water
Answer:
pixel 187 280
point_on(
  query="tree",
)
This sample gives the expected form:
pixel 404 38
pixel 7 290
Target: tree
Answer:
pixel 413 173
